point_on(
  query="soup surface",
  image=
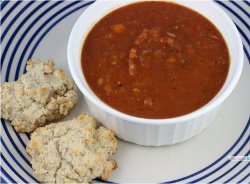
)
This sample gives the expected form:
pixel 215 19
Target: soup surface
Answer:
pixel 155 60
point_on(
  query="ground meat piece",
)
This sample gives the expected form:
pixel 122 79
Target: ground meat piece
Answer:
pixel 148 102
pixel 171 34
pixel 136 91
pixel 100 81
pixel 118 28
pixel 159 53
pixel 148 35
pixel 131 62
pixel 171 60
pixel 170 41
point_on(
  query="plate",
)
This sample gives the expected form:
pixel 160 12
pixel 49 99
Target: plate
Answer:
pixel 40 29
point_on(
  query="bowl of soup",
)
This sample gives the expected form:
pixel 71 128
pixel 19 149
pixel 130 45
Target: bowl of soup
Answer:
pixel 155 72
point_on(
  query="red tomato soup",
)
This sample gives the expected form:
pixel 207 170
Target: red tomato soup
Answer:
pixel 155 60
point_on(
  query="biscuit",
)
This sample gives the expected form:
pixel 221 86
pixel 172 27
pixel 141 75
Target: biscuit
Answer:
pixel 74 151
pixel 37 97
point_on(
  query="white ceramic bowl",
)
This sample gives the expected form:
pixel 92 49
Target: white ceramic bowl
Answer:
pixel 155 132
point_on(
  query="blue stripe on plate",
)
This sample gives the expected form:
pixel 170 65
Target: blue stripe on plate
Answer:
pixel 14 159
pixel 15 33
pixel 239 7
pixel 7 175
pixel 39 31
pixel 2 180
pixel 235 14
pixel 8 13
pixel 240 30
pixel 103 181
pixel 247 54
pixel 8 27
pixel 243 34
pixel 246 1
pixel 13 143
pixel 238 27
pixel 42 36
pixel 244 178
pixel 236 174
pixel 229 170
pixel 11 168
pixel 14 20
pixel 25 33
pixel 218 160
pixel 3 4
pixel 225 163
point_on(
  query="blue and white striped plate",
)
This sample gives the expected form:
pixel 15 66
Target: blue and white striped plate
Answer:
pixel 40 29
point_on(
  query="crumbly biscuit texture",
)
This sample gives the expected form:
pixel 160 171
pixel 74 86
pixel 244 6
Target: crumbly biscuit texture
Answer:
pixel 37 97
pixel 74 151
